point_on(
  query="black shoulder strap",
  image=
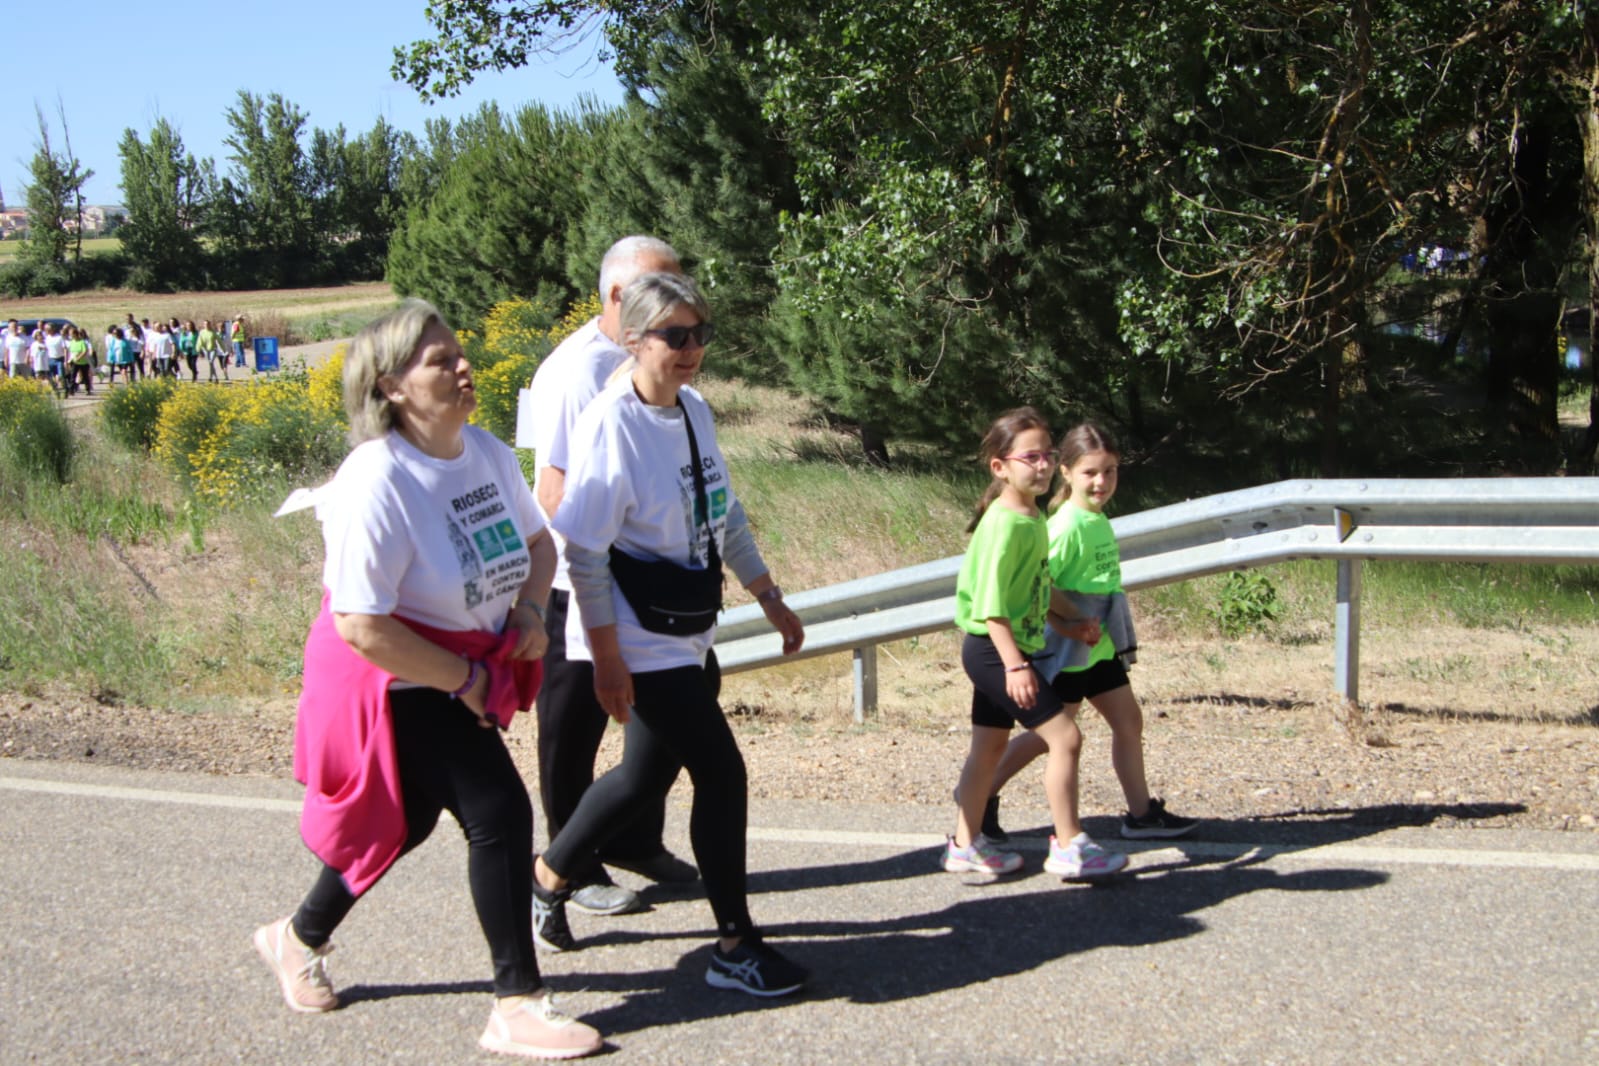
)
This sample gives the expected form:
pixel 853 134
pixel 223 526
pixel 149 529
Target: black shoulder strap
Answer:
pixel 702 503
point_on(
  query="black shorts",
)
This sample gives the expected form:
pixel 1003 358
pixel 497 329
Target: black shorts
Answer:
pixel 1075 686
pixel 991 704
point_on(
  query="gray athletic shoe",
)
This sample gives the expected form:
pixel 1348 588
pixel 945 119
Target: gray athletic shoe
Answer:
pixel 606 899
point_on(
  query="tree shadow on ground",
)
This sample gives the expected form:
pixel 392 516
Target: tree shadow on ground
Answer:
pixel 1590 717
pixel 915 955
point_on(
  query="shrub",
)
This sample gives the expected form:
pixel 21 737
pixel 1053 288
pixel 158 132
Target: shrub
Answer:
pixel 36 436
pixel 187 421
pixel 130 415
pixel 497 389
pixel 325 384
pixel 267 432
pixel 516 336
pixel 1248 600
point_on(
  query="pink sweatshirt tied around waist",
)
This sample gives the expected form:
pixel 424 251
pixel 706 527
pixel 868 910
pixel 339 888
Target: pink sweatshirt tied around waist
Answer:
pixel 353 818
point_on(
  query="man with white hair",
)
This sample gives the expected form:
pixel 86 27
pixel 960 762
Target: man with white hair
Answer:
pixel 571 721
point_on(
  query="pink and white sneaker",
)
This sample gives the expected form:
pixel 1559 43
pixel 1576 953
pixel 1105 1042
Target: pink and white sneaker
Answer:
pixel 1082 859
pixel 979 857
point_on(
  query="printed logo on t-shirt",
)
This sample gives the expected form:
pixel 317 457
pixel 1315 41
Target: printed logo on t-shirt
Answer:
pixel 496 540
pixel 492 553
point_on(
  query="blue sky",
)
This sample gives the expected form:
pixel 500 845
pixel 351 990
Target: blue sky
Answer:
pixel 123 67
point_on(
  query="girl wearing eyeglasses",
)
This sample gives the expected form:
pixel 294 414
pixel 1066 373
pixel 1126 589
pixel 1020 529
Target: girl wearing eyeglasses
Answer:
pixel 1085 562
pixel 648 502
pixel 1003 598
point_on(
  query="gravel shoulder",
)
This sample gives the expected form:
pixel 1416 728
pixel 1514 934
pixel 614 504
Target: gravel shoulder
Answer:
pixel 1237 732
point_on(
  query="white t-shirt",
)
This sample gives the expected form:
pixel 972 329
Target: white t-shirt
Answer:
pixel 54 344
pixel 42 354
pixel 631 484
pixel 17 345
pixel 564 384
pixel 161 346
pixel 439 541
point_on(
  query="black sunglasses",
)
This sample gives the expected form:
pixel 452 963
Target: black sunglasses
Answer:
pixel 677 337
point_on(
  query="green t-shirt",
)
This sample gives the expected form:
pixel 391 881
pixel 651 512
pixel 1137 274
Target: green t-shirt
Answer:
pixel 1006 575
pixel 1083 557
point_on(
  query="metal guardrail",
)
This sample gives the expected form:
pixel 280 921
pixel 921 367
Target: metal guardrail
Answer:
pixel 1538 520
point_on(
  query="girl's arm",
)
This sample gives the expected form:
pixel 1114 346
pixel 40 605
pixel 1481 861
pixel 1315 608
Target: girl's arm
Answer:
pixel 1021 680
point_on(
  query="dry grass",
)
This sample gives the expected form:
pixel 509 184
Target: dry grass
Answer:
pixel 94 309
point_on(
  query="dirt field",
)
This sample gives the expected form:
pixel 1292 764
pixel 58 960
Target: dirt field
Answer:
pixel 97 307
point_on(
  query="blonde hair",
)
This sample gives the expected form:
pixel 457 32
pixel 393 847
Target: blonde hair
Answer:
pixel 380 350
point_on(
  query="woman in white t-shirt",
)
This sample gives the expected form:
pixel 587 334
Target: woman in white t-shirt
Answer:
pixel 437 570
pixel 634 489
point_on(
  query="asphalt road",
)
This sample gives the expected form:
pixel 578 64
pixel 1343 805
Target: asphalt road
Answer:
pixel 127 900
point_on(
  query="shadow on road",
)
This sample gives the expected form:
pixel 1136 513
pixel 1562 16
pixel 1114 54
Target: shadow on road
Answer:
pixel 985 935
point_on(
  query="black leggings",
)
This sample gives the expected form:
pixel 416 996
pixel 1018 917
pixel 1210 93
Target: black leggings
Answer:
pixel 676 723
pixel 571 726
pixel 448 762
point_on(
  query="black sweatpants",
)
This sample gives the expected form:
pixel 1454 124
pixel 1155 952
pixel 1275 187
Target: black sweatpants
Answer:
pixel 448 762
pixel 676 722
pixel 571 726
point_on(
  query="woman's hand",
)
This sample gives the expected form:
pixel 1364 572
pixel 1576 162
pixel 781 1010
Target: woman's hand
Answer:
pixel 1022 686
pixel 532 640
pixel 613 686
pixel 786 622
pixel 476 698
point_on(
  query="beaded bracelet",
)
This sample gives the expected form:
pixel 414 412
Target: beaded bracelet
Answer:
pixel 476 668
pixel 1018 669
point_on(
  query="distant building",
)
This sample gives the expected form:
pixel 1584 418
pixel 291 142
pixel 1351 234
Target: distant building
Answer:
pixel 97 219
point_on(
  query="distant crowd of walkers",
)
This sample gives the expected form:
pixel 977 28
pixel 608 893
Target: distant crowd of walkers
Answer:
pixel 64 355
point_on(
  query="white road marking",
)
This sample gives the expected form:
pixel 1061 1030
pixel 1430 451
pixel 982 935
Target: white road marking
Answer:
pixel 1163 850
pixel 147 795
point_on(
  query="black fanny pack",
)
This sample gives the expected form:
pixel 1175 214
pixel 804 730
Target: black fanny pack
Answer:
pixel 666 597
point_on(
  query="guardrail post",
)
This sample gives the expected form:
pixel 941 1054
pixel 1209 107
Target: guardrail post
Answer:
pixel 865 682
pixel 1346 631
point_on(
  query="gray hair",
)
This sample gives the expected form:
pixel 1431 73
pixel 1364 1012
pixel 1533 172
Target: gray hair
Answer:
pixel 621 267
pixel 381 349
pixel 653 297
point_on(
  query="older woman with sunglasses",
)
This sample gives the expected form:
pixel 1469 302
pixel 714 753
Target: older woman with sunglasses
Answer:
pixel 648 512
pixel 438 567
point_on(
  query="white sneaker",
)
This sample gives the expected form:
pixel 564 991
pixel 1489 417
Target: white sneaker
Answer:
pixel 302 972
pixel 532 1026
pixel 979 857
pixel 1082 859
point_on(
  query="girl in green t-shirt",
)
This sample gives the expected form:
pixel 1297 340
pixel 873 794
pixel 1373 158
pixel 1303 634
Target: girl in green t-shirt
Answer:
pixel 1002 600
pixel 1085 563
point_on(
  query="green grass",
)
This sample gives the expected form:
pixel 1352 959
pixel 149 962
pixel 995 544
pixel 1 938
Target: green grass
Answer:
pixel 91 246
pixel 1398 595
pixel 117 585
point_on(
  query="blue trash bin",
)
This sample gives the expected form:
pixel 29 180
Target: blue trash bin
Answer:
pixel 266 354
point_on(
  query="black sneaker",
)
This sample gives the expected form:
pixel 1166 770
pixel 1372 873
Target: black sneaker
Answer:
pixel 754 968
pixel 1156 823
pixel 550 930
pixel 990 827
